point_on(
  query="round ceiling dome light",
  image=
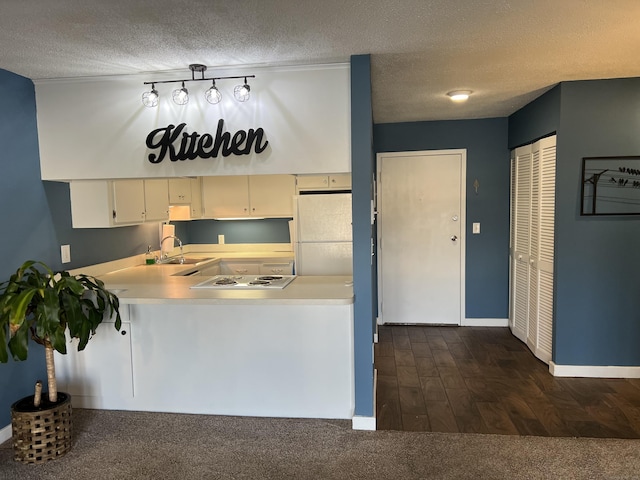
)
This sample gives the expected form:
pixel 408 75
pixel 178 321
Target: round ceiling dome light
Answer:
pixel 459 95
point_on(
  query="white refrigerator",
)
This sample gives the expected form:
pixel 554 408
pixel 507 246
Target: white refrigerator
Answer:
pixel 322 227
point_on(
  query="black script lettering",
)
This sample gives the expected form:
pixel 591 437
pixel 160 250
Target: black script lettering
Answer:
pixel 193 145
pixel 206 140
pixel 188 146
pixel 165 143
pixel 222 140
pixel 239 137
pixel 257 137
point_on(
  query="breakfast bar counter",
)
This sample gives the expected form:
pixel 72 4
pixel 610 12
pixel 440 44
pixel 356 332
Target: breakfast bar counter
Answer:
pixel 256 352
pixel 164 284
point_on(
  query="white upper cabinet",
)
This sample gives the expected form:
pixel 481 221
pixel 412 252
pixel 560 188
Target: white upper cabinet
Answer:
pixel 196 197
pixel 179 191
pixel 113 203
pixel 334 181
pixel 243 196
pixel 156 200
pixel 128 202
pixel 225 196
pixel 271 195
pixel 185 197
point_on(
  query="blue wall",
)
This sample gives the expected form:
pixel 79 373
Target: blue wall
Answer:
pixel 37 220
pixel 487 254
pixel 596 301
pixel 269 230
pixel 535 120
pixel 362 167
pixel 597 268
pixel 93 245
pixel 28 229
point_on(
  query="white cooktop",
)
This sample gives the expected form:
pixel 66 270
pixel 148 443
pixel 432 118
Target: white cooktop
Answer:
pixel 245 282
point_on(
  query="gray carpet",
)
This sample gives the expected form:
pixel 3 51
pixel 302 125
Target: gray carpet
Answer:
pixel 135 445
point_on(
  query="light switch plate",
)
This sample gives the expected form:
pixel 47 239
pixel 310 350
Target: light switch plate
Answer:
pixel 65 253
pixel 476 227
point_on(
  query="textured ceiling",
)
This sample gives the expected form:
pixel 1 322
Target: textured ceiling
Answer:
pixel 506 51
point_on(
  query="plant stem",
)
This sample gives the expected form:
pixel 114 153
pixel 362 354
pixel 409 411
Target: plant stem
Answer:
pixel 37 396
pixel 52 384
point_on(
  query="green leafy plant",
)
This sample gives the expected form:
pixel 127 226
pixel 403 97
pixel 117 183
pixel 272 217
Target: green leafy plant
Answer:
pixel 38 304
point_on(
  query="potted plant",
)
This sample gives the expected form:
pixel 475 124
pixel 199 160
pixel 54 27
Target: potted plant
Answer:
pixel 40 305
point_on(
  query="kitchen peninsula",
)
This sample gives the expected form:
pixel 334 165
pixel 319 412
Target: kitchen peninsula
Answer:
pixel 255 352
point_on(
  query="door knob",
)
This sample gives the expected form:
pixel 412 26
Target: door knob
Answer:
pixel 453 238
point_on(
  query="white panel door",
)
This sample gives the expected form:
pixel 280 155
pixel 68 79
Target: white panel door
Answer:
pixel 421 237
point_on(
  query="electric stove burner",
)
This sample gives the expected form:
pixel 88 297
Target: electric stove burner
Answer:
pixel 240 282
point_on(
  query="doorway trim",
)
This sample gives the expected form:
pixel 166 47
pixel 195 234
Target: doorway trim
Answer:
pixel 463 220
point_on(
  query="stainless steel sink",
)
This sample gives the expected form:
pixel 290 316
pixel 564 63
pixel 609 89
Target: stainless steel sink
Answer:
pixel 185 260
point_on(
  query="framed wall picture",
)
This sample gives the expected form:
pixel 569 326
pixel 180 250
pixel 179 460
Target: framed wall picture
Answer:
pixel 610 186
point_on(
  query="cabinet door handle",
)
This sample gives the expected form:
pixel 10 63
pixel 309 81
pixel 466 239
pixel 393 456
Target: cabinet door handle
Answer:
pixel 123 332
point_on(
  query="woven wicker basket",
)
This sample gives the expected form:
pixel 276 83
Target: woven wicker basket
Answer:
pixel 43 434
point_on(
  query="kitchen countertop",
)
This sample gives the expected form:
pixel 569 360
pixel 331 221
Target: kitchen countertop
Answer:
pixel 154 284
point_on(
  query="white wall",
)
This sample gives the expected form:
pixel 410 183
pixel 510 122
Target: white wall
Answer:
pixel 97 128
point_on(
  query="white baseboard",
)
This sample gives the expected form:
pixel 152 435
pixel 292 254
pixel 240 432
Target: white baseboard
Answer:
pixel 595 371
pixel 363 423
pixel 485 322
pixel 368 423
pixel 5 433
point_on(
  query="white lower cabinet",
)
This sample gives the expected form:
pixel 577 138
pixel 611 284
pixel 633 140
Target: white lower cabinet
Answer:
pixel 101 373
pixel 256 268
pixel 283 268
pixel 239 268
pixel 210 271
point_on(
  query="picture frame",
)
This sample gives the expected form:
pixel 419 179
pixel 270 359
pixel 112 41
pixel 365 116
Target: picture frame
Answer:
pixel 610 186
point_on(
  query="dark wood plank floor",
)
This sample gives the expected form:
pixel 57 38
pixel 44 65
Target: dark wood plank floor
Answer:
pixel 484 380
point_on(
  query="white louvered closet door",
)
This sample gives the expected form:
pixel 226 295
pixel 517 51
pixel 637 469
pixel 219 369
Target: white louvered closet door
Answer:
pixel 532 240
pixel 543 232
pixel 534 248
pixel 520 232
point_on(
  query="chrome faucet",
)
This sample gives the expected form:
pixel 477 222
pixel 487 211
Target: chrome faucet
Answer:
pixel 164 255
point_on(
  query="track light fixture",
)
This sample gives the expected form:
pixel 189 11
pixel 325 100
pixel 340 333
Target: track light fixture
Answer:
pixel 241 92
pixel 180 95
pixel 212 95
pixel 150 98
